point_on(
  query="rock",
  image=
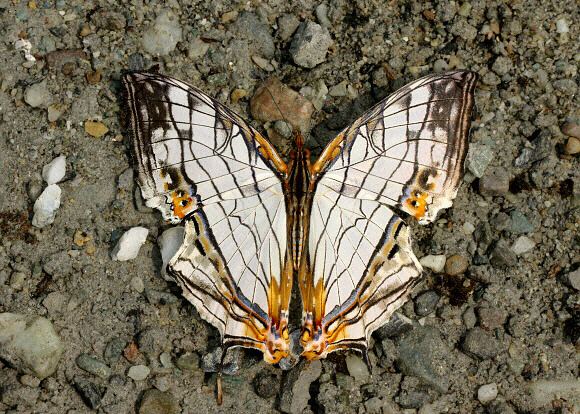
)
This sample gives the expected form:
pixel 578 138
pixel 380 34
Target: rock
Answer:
pixel 490 317
pixel 275 101
pixel 157 402
pixel 95 129
pixel 161 38
pixel 108 20
pixel 480 344
pixel 137 284
pixel 468 228
pixel 262 63
pixel 502 65
pixel 322 15
pixel 125 180
pixel 46 205
pixel 573 279
pixel 310 45
pixel 128 246
pixel 572 129
pixel 487 393
pixel 499 407
pixel 90 392
pixel 420 352
pixel 55 170
pixel 29 381
pixel 543 392
pixel 519 223
pixel 138 372
pixel 495 182
pixel 287 25
pixel 562 26
pixel 114 350
pixel 251 28
pixel 502 255
pixel 396 326
pixel 412 395
pixel 572 146
pixel 296 386
pixel 188 362
pixel 456 265
pixel 37 95
pixel 169 242
pixel 426 302
pixel 357 368
pixel 158 297
pixel 30 344
pixel 469 318
pixel 93 366
pixel 523 245
pixel 55 111
pixel 434 262
pixel 266 384
pixel 165 359
pixel 197 48
pixel 340 89
pixel 210 362
pixel 153 340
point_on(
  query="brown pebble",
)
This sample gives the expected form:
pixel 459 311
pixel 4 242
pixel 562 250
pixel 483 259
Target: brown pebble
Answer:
pixel 131 352
pixel 456 265
pixel 238 94
pixel 275 101
pixel 93 77
pixel 429 15
pixel 95 129
pixel 80 238
pixel 85 31
pixel 68 68
pixel 572 146
pixel 571 129
pixel 490 317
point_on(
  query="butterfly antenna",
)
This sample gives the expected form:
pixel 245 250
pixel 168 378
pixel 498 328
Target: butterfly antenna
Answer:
pixel 219 389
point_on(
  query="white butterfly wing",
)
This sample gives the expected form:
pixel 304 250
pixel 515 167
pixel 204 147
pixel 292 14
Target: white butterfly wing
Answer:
pixel 198 161
pixel 406 153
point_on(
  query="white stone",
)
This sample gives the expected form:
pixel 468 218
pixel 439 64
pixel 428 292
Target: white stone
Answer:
pixel 169 242
pixel 30 344
pixel 46 205
pixel 37 95
pixel 468 228
pixel 138 372
pixel 487 393
pixel 137 284
pixel 162 37
pixel 574 279
pixel 128 246
pixel 434 262
pixel 356 367
pixel 523 245
pixel 562 26
pixel 55 170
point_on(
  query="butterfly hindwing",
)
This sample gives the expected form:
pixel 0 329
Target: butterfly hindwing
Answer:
pixel 199 162
pixel 406 153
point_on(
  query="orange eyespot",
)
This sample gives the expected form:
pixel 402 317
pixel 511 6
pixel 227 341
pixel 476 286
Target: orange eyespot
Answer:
pixel 417 204
pixel 181 203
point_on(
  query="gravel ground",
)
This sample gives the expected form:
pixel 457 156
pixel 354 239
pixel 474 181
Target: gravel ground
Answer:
pixel 494 327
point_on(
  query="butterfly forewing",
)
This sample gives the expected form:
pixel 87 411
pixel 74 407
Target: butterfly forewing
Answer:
pixel 406 153
pixel 199 162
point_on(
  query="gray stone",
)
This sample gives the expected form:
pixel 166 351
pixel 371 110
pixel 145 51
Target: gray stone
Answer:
pixel 426 302
pixel 30 344
pixel 90 392
pixel 478 158
pixel 162 37
pixel 520 223
pixel 419 353
pixel 502 255
pixel 188 362
pixel 249 26
pixel 287 25
pixel 487 393
pixel 322 15
pixel 266 384
pixel 495 182
pixel 357 368
pixel 502 65
pixel 397 325
pixel 157 297
pixel 410 394
pixel 296 386
pixel 138 372
pixel 310 45
pixel 157 402
pixel 125 180
pixel 573 279
pixel 456 265
pixel 480 344
pixel 114 350
pixel 211 361
pixel 490 317
pixel 93 365
pixel 153 340
pixel 501 221
pixel 523 245
pixel 37 95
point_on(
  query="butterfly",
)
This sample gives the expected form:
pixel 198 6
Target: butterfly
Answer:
pixel 255 223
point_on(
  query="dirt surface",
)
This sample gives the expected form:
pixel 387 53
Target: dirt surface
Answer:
pixel 496 331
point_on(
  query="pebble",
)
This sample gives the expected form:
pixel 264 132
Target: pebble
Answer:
pixel 478 158
pixel 480 344
pixel 426 302
pixel 165 359
pixel 158 402
pixel 396 326
pixel 502 65
pixel 138 372
pixel 572 146
pixel 434 262
pixel 573 279
pixel 249 26
pixel 55 111
pixel 188 362
pixel 30 344
pixel 296 386
pixel 91 393
pixel 571 129
pixel 420 351
pixel 95 129
pixel 46 205
pixel 54 171
pixel 283 128
pixel 468 228
pixel 137 284
pixel 93 365
pixel 456 265
pixel 562 26
pixel 487 393
pixel 339 89
pixel 262 63
pixel 128 246
pixel 287 25
pixel 523 245
pixel 266 384
pixel 158 297
pixel 29 380
pixel 316 94
pixel 322 15
pixel 310 45
pixel 491 318
pixel 197 48
pixel 275 101
pixel 502 255
pixel 114 350
pixel 169 243
pixel 161 38
pixel 495 182
pixel 357 368
pixel 125 180
pixel 37 95
pixel 519 223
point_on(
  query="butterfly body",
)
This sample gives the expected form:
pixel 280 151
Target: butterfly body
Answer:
pixel 254 224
